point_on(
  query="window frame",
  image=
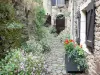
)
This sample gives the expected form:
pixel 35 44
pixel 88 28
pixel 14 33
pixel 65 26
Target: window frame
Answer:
pixel 58 4
pixel 83 26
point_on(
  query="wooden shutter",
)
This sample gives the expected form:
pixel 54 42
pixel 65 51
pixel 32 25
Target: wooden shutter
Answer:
pixel 90 20
pixel 53 2
pixel 78 27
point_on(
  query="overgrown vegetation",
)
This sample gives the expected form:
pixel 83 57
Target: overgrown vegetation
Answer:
pixel 18 62
pixel 9 26
pixel 19 57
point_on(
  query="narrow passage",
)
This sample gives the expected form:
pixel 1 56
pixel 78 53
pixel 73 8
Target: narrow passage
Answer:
pixel 55 59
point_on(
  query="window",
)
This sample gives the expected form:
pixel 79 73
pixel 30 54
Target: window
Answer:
pixel 53 2
pixel 58 2
pixel 87 26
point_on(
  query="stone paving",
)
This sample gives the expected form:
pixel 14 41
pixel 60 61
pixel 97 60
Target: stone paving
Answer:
pixel 55 59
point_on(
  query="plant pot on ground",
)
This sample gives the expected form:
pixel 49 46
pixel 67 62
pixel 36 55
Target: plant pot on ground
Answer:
pixel 75 59
pixel 71 66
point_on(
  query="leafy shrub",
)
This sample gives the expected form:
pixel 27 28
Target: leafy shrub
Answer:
pixel 18 62
pixel 63 35
pixel 39 22
pixel 47 39
pixel 45 45
pixel 10 37
pixel 42 45
pixel 10 29
pixel 34 46
pixel 7 13
pixel 52 29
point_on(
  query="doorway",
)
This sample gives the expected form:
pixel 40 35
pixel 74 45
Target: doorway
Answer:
pixel 60 23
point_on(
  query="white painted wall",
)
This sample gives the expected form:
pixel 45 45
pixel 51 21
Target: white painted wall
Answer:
pixel 47 6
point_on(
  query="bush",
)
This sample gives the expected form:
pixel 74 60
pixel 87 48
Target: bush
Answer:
pixel 18 62
pixel 10 37
pixel 45 45
pixel 63 35
pixel 10 29
pixel 52 29
pixel 34 46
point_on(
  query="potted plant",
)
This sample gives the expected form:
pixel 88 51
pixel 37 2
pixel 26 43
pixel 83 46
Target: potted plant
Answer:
pixel 75 59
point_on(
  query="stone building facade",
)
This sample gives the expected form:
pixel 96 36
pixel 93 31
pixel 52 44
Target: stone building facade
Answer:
pixel 77 10
pixel 93 57
pixel 59 8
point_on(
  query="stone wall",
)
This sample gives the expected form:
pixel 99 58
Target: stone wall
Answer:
pixel 68 18
pixel 97 37
pixel 93 59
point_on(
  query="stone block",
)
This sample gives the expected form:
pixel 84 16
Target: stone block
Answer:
pixel 97 3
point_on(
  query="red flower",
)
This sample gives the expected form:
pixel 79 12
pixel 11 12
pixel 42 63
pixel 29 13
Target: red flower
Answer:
pixel 66 41
pixel 71 40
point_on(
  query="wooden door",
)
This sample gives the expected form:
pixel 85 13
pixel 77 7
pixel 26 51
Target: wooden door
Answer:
pixel 60 23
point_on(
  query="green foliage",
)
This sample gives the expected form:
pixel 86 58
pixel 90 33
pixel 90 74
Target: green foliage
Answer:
pixel 76 53
pixel 52 29
pixel 34 46
pixel 14 25
pixel 46 41
pixel 10 29
pixel 63 35
pixel 69 47
pixel 18 62
pixel 38 1
pixel 43 45
pixel 41 33
pixel 28 60
pixel 7 13
pixel 80 57
pixel 10 37
pixel 39 22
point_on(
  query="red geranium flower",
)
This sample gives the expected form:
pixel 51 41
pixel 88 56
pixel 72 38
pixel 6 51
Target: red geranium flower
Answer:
pixel 71 40
pixel 66 41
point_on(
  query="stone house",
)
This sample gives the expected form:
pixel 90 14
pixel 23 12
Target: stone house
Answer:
pixel 83 24
pixel 57 8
